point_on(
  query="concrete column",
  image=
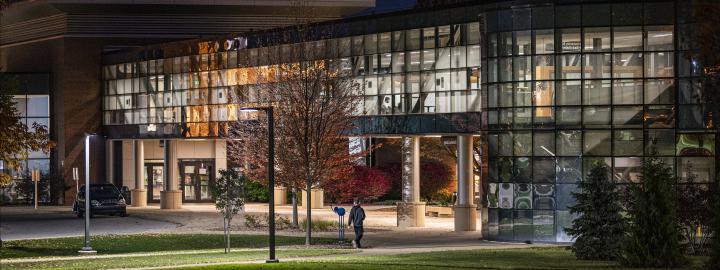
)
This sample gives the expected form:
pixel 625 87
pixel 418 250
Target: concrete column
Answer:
pixel 139 194
pixel 317 196
pixel 109 169
pixel 465 209
pixel 411 211
pixel 171 196
pixel 220 155
pixel 280 194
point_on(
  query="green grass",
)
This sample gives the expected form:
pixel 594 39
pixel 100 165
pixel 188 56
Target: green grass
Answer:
pixel 171 260
pixel 115 244
pixel 525 258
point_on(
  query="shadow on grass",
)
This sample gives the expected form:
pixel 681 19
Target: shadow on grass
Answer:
pixel 116 244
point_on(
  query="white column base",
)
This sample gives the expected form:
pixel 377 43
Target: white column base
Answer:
pixel 280 194
pixel 410 214
pixel 465 218
pixel 138 198
pixel 317 197
pixel 171 199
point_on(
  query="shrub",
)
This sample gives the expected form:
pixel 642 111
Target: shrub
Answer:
pixel 366 183
pixel 714 261
pixel 261 221
pixel 435 177
pixel 694 202
pixel 654 236
pixel 256 192
pixel 319 225
pixel 599 229
pixel 253 221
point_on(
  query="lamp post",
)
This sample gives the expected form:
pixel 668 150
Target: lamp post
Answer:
pixel 87 249
pixel 271 179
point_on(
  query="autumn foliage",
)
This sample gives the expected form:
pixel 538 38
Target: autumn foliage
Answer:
pixel 435 177
pixel 366 184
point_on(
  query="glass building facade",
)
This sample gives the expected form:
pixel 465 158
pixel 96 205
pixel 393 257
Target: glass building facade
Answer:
pixel 549 95
pixel 430 70
pixel 602 82
pixel 32 101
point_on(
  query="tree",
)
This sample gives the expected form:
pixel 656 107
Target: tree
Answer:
pixel 714 261
pixel 435 176
pixel 694 214
pixel 314 100
pixel 654 237
pixel 228 193
pixel 365 183
pixel 599 229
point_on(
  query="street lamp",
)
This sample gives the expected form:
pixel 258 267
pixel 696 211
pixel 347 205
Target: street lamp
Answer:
pixel 271 178
pixel 87 249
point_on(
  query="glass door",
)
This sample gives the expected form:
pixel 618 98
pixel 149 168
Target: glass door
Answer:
pixel 188 181
pixel 204 173
pixel 196 175
pixel 154 179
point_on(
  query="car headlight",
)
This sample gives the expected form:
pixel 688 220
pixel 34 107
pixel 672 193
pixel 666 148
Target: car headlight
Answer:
pixel 95 203
pixel 121 201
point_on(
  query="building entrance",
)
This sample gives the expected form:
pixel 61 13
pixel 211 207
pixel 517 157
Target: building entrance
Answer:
pixel 154 179
pixel 196 176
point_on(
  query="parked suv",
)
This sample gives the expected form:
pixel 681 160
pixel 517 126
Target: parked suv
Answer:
pixel 104 199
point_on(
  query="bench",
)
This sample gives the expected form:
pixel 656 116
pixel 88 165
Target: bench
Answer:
pixel 437 211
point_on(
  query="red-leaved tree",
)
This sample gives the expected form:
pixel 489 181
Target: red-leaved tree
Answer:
pixel 435 176
pixel 366 184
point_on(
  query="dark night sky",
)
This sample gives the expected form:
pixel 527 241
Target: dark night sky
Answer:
pixel 383 6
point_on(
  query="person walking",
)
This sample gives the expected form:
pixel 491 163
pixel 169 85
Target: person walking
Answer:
pixel 357 216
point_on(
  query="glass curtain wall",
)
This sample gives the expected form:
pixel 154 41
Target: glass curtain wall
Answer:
pixel 566 91
pixel 417 71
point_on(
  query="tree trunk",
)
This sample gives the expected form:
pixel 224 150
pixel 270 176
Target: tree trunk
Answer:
pixel 308 207
pixel 225 233
pixel 294 208
pixel 228 235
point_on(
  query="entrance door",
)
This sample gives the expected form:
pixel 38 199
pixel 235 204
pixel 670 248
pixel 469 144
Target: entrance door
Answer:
pixel 196 177
pixel 154 179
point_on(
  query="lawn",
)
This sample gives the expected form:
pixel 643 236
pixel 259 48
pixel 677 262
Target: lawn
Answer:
pixel 115 244
pixel 169 260
pixel 525 258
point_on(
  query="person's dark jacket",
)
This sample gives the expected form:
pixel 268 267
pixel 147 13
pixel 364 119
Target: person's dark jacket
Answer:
pixel 357 215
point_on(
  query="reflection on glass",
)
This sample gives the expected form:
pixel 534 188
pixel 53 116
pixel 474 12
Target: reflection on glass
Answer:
pixel 523 196
pixel 628 170
pixel 597 143
pixel 543 226
pixel 661 91
pixel 544 170
pixel 702 169
pixel 568 116
pixel 628 142
pixel 596 92
pixel 692 144
pixel 522 225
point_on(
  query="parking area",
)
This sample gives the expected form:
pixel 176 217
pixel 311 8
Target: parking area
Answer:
pixel 59 221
